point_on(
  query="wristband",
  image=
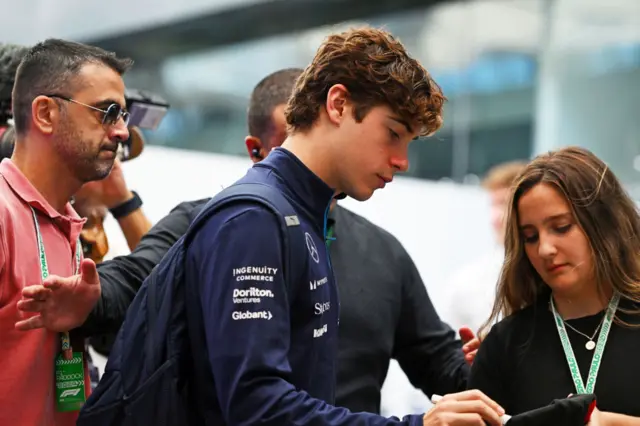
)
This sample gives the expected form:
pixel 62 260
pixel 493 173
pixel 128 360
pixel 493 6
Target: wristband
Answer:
pixel 127 207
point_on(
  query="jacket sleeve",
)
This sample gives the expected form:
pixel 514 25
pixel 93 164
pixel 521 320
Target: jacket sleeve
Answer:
pixel 490 369
pixel 426 348
pixel 121 277
pixel 237 260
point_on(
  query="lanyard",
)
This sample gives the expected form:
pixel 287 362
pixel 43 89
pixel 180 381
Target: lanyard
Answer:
pixel 44 271
pixel 597 356
pixel 329 236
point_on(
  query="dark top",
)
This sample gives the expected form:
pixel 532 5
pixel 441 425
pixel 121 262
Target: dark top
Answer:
pixel 522 366
pixel 385 311
pixel 122 276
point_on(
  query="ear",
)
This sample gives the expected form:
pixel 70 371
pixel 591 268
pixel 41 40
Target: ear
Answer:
pixel 254 146
pixel 45 114
pixel 337 103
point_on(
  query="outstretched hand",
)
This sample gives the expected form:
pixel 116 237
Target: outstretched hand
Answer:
pixel 61 304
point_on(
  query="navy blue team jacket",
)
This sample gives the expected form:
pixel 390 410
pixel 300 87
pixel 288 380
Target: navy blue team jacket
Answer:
pixel 269 352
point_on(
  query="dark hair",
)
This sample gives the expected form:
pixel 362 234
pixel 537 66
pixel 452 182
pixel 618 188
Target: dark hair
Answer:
pixel 52 67
pixel 7 142
pixel 10 57
pixel 376 70
pixel 273 90
pixel 603 210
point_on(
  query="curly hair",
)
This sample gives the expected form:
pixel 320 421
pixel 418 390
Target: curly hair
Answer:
pixel 376 70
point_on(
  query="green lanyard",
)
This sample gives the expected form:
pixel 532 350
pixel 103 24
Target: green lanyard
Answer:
pixel 329 236
pixel 597 356
pixel 44 271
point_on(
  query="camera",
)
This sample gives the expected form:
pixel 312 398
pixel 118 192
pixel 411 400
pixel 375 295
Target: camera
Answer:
pixel 147 111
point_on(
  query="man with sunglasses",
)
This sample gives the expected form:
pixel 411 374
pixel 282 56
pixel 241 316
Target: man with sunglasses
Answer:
pixel 69 116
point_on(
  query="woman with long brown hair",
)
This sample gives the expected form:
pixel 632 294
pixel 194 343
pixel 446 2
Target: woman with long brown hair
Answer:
pixel 569 293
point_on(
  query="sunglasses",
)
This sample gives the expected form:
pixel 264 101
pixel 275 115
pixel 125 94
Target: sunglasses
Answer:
pixel 112 114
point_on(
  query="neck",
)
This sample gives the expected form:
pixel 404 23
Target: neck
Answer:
pixel 46 173
pixel 313 152
pixel 582 303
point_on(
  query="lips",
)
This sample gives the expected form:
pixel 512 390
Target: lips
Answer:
pixel 110 148
pixel 556 268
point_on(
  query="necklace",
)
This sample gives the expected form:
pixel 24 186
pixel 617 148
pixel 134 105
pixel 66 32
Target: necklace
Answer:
pixel 581 388
pixel 590 345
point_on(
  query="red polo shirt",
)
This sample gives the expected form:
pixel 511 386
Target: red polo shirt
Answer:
pixel 27 393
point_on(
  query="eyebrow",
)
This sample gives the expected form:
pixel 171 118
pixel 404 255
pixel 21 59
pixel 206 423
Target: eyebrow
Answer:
pixel 401 121
pixel 107 102
pixel 551 218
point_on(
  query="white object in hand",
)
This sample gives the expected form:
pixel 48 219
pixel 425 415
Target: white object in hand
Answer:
pixel 505 417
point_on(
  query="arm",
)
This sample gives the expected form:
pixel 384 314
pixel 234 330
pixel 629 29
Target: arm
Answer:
pixel 112 192
pixel 489 368
pixel 134 226
pixel 601 418
pixel 426 348
pixel 249 358
pixel 121 277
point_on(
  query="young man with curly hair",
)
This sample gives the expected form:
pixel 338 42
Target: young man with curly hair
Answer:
pixel 352 114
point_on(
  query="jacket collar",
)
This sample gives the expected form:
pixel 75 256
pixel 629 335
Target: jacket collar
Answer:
pixel 308 189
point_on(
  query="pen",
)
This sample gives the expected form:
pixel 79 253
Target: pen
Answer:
pixel 505 418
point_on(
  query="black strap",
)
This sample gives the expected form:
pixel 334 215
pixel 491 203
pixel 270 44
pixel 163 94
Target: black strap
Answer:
pixel 127 207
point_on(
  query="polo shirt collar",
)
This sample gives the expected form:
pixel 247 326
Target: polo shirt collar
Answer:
pixel 30 195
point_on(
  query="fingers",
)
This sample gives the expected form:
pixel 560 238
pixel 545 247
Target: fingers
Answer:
pixel 36 292
pixel 470 357
pixel 452 419
pixel 466 334
pixel 471 345
pixel 471 395
pixel 30 323
pixel 477 407
pixel 53 282
pixel 466 412
pixel 89 272
pixel 31 305
pixel 463 419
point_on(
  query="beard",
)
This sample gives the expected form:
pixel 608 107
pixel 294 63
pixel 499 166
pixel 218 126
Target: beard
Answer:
pixel 81 156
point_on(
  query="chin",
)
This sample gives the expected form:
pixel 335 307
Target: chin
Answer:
pixel 563 285
pixel 100 171
pixel 360 195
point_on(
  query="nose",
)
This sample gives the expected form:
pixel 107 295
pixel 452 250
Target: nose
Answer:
pixel 118 132
pixel 546 247
pixel 400 163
